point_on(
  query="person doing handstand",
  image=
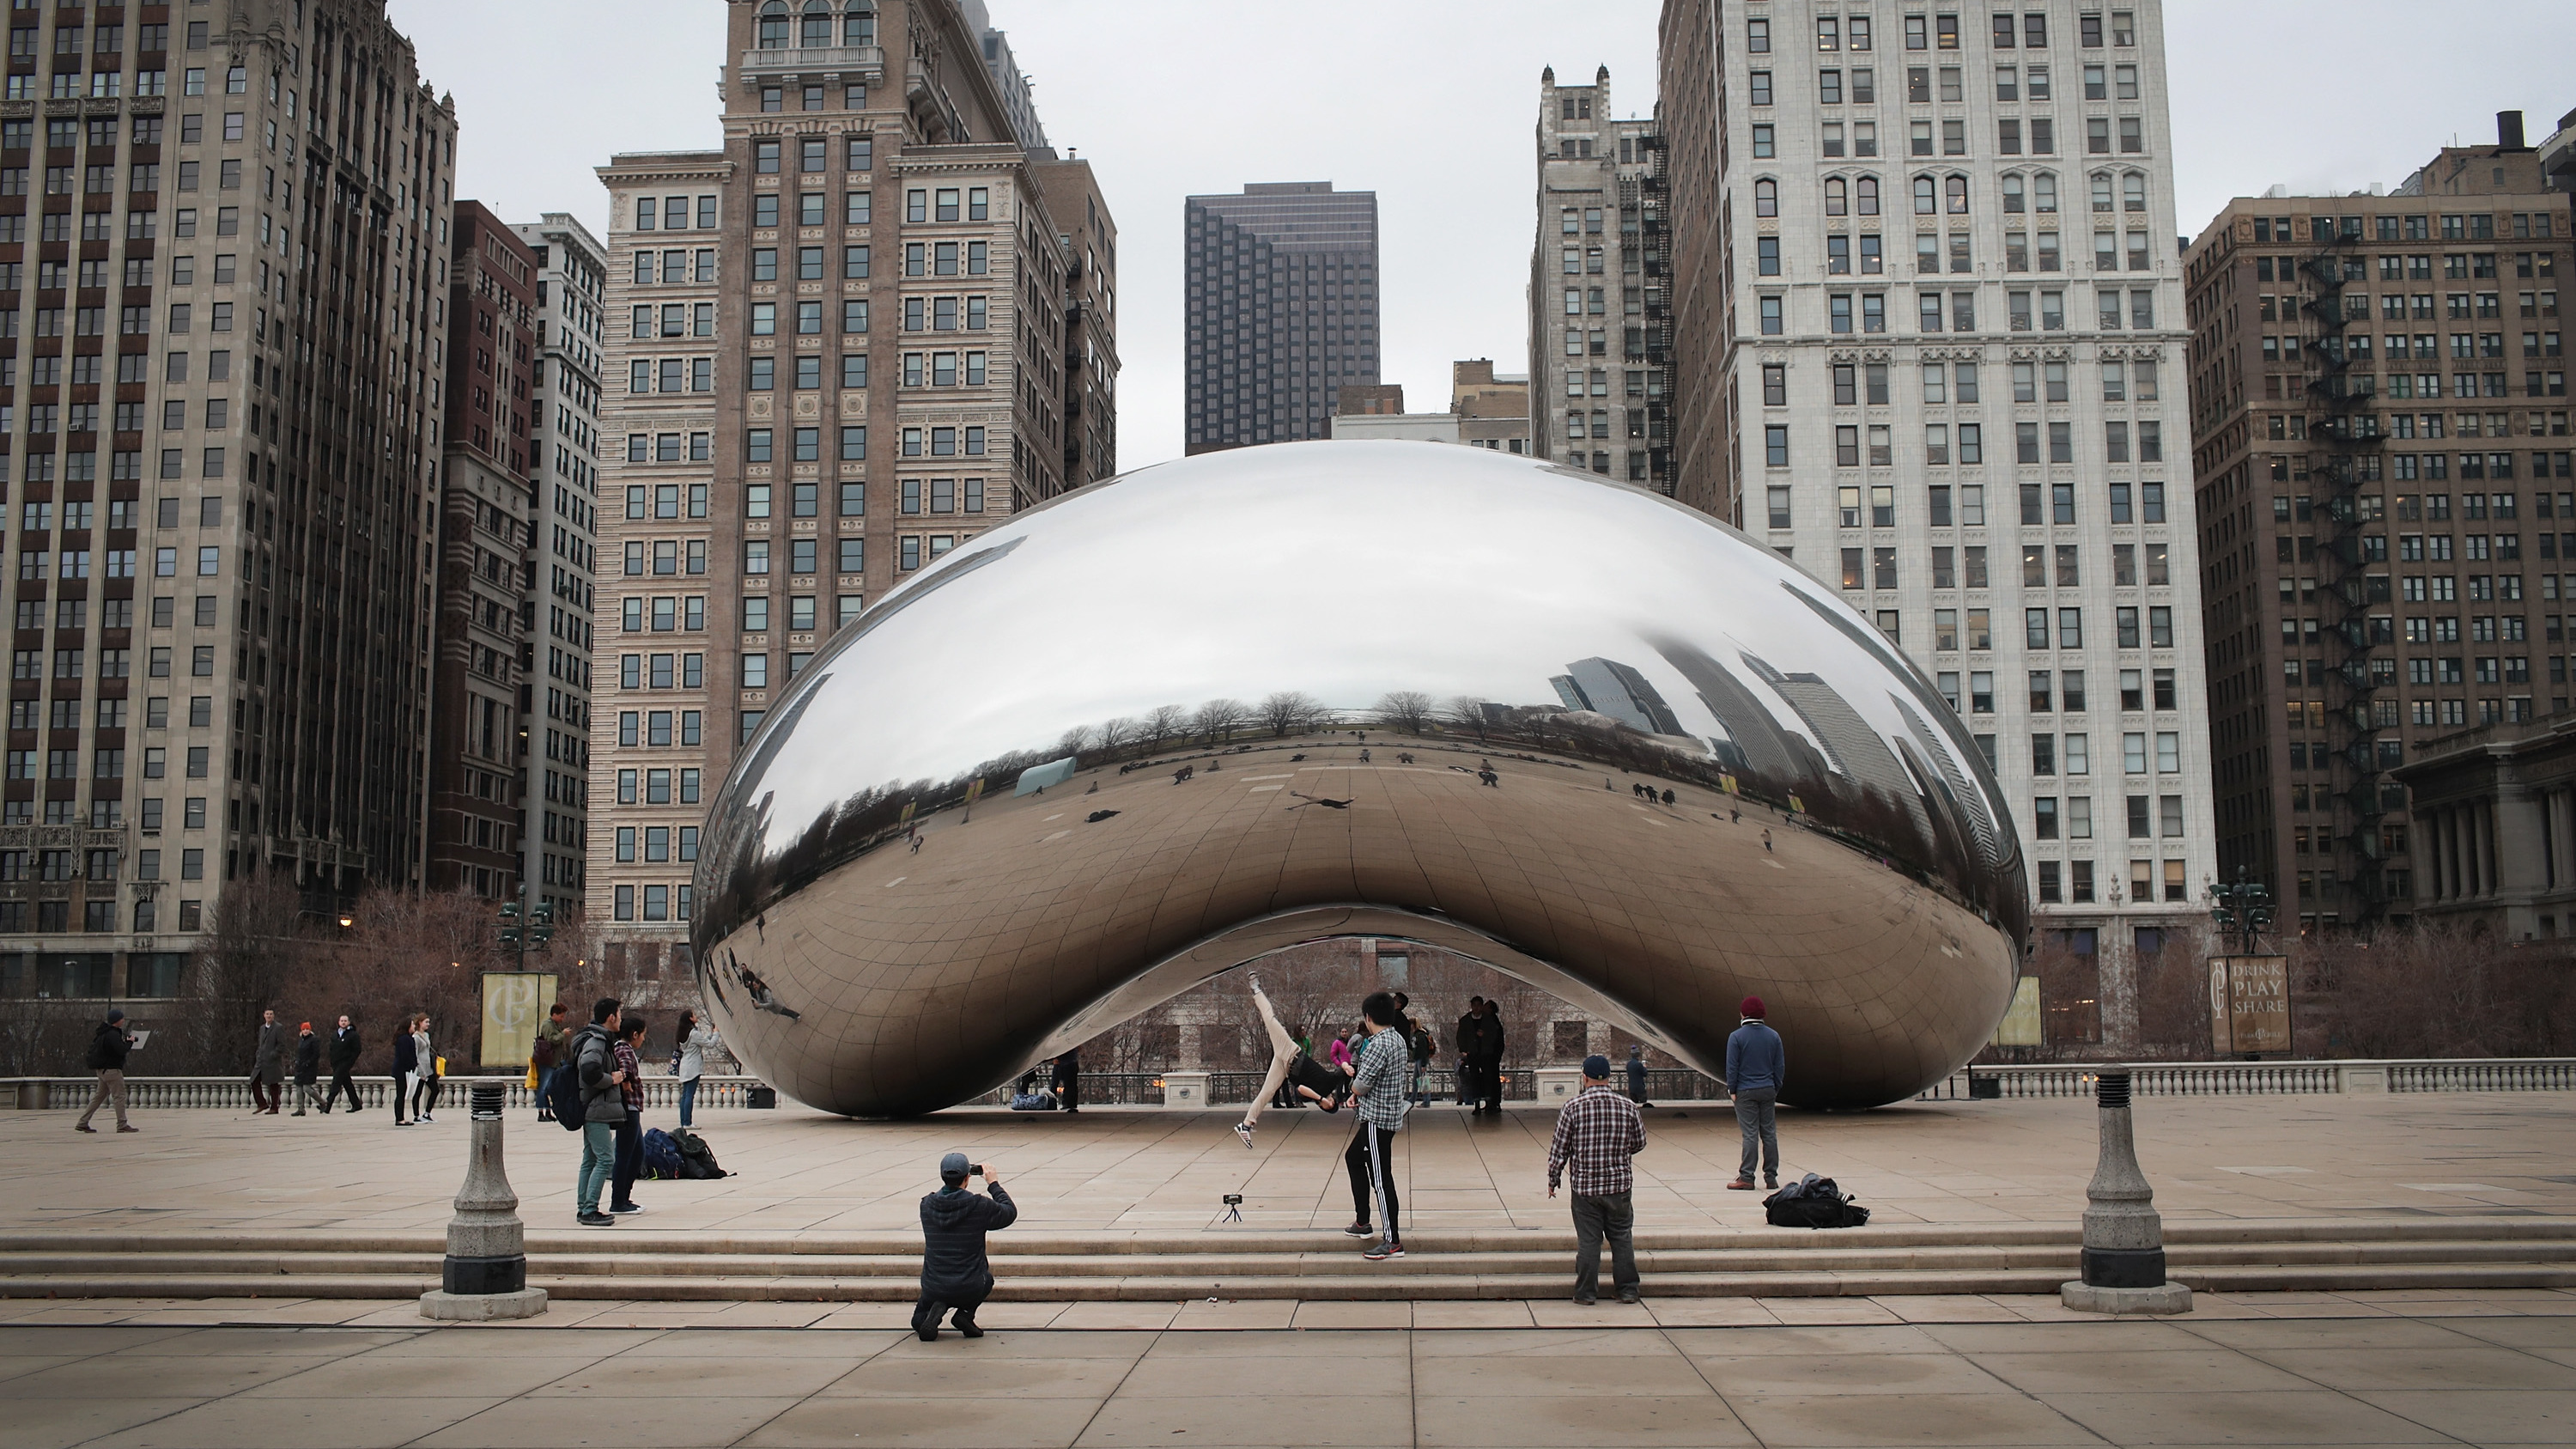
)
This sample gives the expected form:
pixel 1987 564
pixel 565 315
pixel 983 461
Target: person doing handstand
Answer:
pixel 1289 1064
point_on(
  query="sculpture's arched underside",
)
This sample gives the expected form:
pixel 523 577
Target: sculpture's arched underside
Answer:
pixel 1529 650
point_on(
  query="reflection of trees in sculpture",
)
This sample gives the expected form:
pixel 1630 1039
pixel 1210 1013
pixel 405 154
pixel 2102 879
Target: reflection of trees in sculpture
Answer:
pixel 1218 719
pixel 1465 712
pixel 1408 710
pixel 1115 735
pixel 1290 710
pixel 1163 723
pixel 1073 741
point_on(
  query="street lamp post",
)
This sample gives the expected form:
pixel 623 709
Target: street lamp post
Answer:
pixel 2244 906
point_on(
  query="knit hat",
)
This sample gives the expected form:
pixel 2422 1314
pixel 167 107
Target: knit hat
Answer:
pixel 308 1026
pixel 1753 1008
pixel 116 1013
pixel 953 1167
pixel 1597 1067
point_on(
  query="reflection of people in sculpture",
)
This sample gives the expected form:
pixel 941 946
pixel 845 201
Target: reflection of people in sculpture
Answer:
pixel 760 993
pixel 1290 1065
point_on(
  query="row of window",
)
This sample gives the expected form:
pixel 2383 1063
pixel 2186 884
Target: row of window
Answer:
pixel 1869 384
pixel 2455 226
pixel 2357 348
pixel 2076 887
pixel 2151 817
pixel 1941 32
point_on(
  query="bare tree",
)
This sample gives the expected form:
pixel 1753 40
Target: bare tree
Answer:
pixel 1074 741
pixel 1219 718
pixel 1116 735
pixel 1468 713
pixel 1289 710
pixel 256 943
pixel 1164 722
pixel 1408 710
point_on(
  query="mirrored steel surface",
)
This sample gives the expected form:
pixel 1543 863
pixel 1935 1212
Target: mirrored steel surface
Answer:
pixel 1217 707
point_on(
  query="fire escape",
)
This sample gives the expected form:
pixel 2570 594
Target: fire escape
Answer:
pixel 1645 201
pixel 2341 421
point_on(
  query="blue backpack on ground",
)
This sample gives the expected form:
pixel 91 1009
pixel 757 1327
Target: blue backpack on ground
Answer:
pixel 661 1156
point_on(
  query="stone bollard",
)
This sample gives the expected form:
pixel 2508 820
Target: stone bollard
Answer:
pixel 486 1272
pixel 2124 1239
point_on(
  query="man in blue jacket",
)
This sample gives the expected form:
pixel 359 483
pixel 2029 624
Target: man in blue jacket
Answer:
pixel 954 1271
pixel 1756 1065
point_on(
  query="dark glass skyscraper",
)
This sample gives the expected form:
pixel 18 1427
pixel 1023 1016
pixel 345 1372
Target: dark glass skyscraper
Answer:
pixel 1282 296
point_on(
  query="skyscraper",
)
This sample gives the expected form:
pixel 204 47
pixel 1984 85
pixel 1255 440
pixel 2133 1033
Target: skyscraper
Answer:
pixel 572 297
pixel 477 730
pixel 1282 297
pixel 1600 328
pixel 2378 365
pixel 1901 363
pixel 843 344
pixel 221 653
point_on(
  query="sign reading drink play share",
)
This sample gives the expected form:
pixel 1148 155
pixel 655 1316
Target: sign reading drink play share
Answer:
pixel 2249 1004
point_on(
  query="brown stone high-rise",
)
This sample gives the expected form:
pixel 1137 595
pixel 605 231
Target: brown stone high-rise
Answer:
pixel 869 327
pixel 478 700
pixel 2380 423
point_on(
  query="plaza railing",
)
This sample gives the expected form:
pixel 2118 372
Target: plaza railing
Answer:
pixel 374 1093
pixel 1143 1089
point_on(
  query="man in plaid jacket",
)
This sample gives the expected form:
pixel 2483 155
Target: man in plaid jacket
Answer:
pixel 1596 1135
pixel 1377 1084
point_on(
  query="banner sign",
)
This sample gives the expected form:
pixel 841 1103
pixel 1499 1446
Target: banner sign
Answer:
pixel 2249 1004
pixel 514 1006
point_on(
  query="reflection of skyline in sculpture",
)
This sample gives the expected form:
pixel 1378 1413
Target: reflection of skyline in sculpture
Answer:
pixel 1964 796
pixel 1766 752
pixel 1606 686
pixel 1857 752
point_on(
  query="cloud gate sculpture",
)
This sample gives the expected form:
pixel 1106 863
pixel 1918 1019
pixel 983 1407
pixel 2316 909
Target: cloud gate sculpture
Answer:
pixel 1216 708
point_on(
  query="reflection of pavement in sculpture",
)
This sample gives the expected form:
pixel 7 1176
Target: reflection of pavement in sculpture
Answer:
pixel 1569 631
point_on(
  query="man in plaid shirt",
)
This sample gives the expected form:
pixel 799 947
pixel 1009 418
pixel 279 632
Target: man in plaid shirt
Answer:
pixel 1596 1134
pixel 1377 1083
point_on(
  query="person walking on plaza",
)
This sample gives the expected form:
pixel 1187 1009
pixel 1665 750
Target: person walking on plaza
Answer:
pixel 1637 1075
pixel 1596 1136
pixel 107 1049
pixel 308 1067
pixel 593 1056
pixel 1066 1079
pixel 1378 1087
pixel 695 1039
pixel 629 1165
pixel 268 1065
pixel 1756 1065
pixel 547 1056
pixel 344 1062
pixel 955 1273
pixel 406 1067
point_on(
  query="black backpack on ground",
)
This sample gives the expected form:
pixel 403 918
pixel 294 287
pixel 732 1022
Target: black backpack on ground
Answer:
pixel 563 1089
pixel 1813 1202
pixel 697 1160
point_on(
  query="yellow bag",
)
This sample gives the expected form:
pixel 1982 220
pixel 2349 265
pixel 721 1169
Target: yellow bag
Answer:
pixel 532 1079
pixel 441 1065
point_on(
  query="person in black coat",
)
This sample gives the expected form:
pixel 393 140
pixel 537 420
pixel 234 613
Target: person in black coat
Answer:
pixel 954 1271
pixel 406 1067
pixel 344 1062
pixel 308 1067
pixel 1067 1080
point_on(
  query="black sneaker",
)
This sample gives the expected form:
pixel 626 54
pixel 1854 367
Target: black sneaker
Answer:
pixel 596 1219
pixel 626 1207
pixel 1383 1252
pixel 1359 1230
pixel 1627 1295
pixel 1586 1302
pixel 967 1327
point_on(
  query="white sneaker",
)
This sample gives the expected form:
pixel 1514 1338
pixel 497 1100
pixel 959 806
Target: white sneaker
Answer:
pixel 1244 1131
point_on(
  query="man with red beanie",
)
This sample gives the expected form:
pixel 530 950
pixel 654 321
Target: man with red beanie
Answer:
pixel 1756 1065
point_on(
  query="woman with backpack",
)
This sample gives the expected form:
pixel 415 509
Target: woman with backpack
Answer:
pixel 690 1061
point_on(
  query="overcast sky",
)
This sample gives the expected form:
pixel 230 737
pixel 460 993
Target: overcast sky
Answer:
pixel 1431 104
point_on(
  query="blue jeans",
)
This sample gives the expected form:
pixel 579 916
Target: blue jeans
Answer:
pixel 598 1161
pixel 688 1102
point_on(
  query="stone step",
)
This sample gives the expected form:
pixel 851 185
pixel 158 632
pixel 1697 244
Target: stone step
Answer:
pixel 1372 1285
pixel 644 1236
pixel 1851 1254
